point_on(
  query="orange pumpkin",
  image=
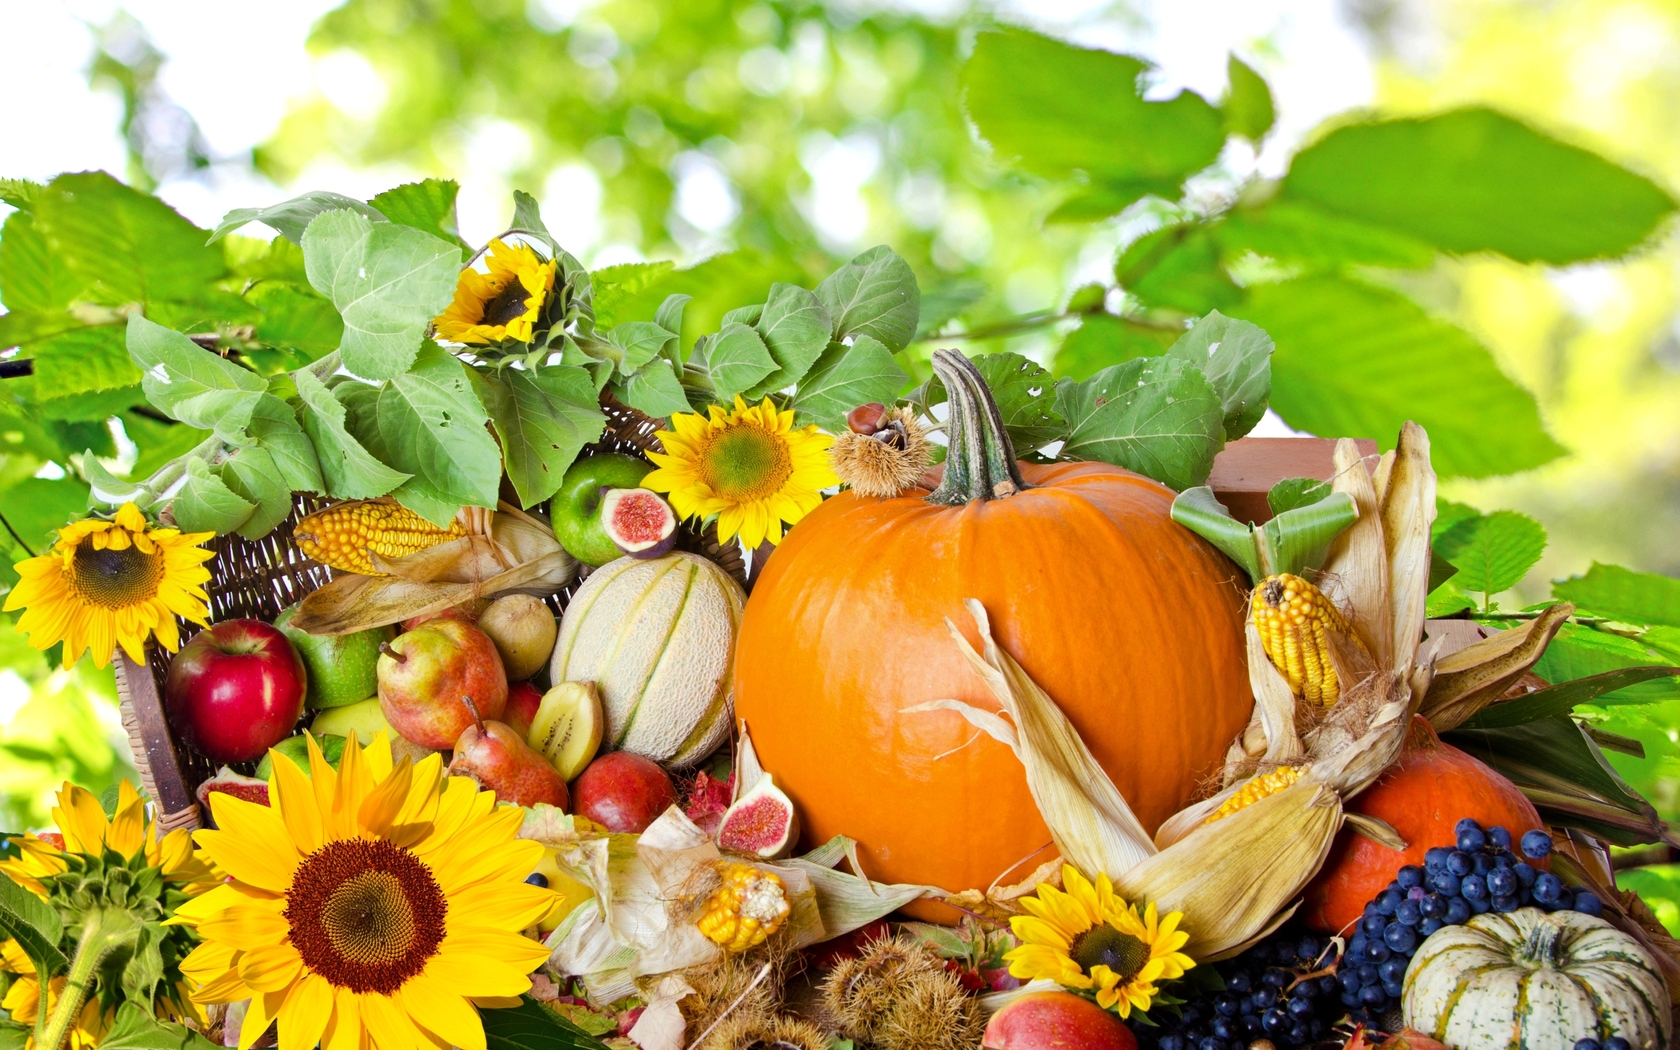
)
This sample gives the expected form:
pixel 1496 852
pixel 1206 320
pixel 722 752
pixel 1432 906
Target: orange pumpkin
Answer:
pixel 1428 790
pixel 1130 622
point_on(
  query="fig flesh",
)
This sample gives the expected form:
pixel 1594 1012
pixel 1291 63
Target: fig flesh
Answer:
pixel 639 522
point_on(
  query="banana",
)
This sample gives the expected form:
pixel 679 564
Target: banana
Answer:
pixel 568 726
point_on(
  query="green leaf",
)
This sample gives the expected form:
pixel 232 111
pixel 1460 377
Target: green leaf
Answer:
pixel 35 508
pixel 1563 698
pixel 795 327
pixel 251 474
pixel 1296 492
pixel 1188 275
pixel 136 1029
pixel 527 216
pixel 348 469
pixel 1473 180
pixel 638 342
pixel 388 282
pixel 144 969
pixel 14 1036
pixel 1058 110
pixel 130 246
pixel 1493 552
pixel 1200 511
pixel 429 423
pixel 1448 514
pixel 1299 538
pixel 1236 357
pixel 296 318
pixel 20 193
pixel 1633 597
pixel 1358 361
pixel 654 391
pixel 844 378
pixel 82 361
pixel 32 276
pixel 1026 398
pixel 1110 198
pixel 192 384
pixel 1155 415
pixel 544 419
pixel 206 504
pixel 532 1026
pixel 426 205
pixel 1248 104
pixel 33 924
pixel 875 295
pixel 617 287
pixel 275 428
pixel 1579 652
pixel 291 218
pixel 1102 340
pixel 1446 600
pixel 669 316
pixel 1299 233
pixel 737 359
pixel 945 303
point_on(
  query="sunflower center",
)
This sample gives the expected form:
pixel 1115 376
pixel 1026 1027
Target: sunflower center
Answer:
pixel 509 304
pixel 745 463
pixel 1106 946
pixel 114 578
pixel 365 914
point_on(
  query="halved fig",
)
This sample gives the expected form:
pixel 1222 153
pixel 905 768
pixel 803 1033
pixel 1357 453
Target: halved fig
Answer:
pixel 228 782
pixel 639 522
pixel 761 823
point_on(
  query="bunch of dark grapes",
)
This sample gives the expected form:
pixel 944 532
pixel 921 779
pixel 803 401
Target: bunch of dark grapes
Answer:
pixel 1479 876
pixel 1291 988
pixel 1279 990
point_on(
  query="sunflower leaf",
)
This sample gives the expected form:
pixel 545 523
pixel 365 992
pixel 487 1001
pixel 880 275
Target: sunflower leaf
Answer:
pixel 844 378
pixel 348 470
pixel 737 358
pixel 189 383
pixel 654 391
pixel 875 295
pixel 33 924
pixel 795 327
pixel 426 205
pixel 638 342
pixel 544 419
pixel 275 428
pixel 137 1029
pixel 1155 415
pixel 527 217
pixel 1236 357
pixel 206 504
pixel 251 474
pixel 532 1026
pixel 388 282
pixel 291 218
pixel 1025 394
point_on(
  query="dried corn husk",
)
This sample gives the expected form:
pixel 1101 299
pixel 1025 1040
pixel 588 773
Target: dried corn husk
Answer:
pixel 508 551
pixel 1480 674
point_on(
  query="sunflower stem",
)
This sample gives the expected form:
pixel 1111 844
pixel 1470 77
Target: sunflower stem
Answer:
pixel 981 461
pixel 102 930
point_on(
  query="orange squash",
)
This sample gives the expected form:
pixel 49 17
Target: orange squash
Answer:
pixel 1130 622
pixel 1428 790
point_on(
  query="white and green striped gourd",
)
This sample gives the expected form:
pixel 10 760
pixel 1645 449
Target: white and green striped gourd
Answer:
pixel 1532 981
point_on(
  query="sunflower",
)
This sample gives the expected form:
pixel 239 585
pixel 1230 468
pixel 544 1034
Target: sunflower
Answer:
pixel 1089 938
pixel 379 901
pixel 500 305
pixel 111 583
pixel 751 467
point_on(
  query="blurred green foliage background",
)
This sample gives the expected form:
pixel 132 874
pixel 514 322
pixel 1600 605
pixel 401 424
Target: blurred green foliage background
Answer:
pixel 777 138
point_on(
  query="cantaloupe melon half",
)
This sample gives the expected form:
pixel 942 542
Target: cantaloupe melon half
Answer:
pixel 657 638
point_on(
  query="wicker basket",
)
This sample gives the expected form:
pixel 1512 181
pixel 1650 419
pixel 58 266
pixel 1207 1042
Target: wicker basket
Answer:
pixel 259 578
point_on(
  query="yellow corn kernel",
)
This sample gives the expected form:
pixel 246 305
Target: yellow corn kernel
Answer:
pixel 749 906
pixel 1292 616
pixel 343 534
pixel 1256 789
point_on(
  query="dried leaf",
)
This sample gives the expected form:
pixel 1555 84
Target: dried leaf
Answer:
pixel 1479 674
pixel 352 603
pixel 1408 511
pixel 1379 831
pixel 1274 703
pixel 661 1026
pixel 1356 571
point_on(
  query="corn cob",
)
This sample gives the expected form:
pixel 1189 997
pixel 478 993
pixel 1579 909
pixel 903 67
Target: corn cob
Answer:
pixel 1256 789
pixel 746 909
pixel 343 534
pixel 1292 616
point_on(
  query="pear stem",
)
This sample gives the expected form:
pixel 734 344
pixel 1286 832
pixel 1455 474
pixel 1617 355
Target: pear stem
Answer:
pixel 473 708
pixel 396 654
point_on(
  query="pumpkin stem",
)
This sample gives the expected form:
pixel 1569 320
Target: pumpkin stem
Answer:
pixel 980 461
pixel 1544 947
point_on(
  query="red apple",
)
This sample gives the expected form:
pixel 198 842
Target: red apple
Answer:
pixel 522 703
pixel 1056 1021
pixel 623 792
pixel 424 675
pixel 235 690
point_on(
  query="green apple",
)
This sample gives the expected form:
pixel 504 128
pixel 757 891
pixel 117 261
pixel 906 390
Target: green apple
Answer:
pixel 296 748
pixel 576 508
pixel 341 667
pixel 364 718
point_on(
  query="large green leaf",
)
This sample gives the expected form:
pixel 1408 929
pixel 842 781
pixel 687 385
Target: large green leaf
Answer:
pixel 1102 340
pixel 296 317
pixel 618 287
pixel 796 326
pixel 844 378
pixel 348 469
pixel 30 921
pixel 1564 697
pixel 191 384
pixel 428 423
pixel 1248 105
pixel 737 359
pixel 1493 551
pixel 81 361
pixel 32 275
pixel 875 295
pixel 1236 357
pixel 1473 180
pixel 251 474
pixel 1155 415
pixel 544 419
pixel 1180 268
pixel 1353 360
pixel 1579 651
pixel 388 282
pixel 130 247
pixel 291 218
pixel 1057 110
pixel 35 507
pixel 275 428
pixel 532 1026
pixel 1636 597
pixel 426 205
pixel 1299 233
pixel 206 504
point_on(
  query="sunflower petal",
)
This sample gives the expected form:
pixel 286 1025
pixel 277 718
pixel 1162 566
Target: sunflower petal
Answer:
pixel 443 1012
pixel 271 967
pixel 304 1015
